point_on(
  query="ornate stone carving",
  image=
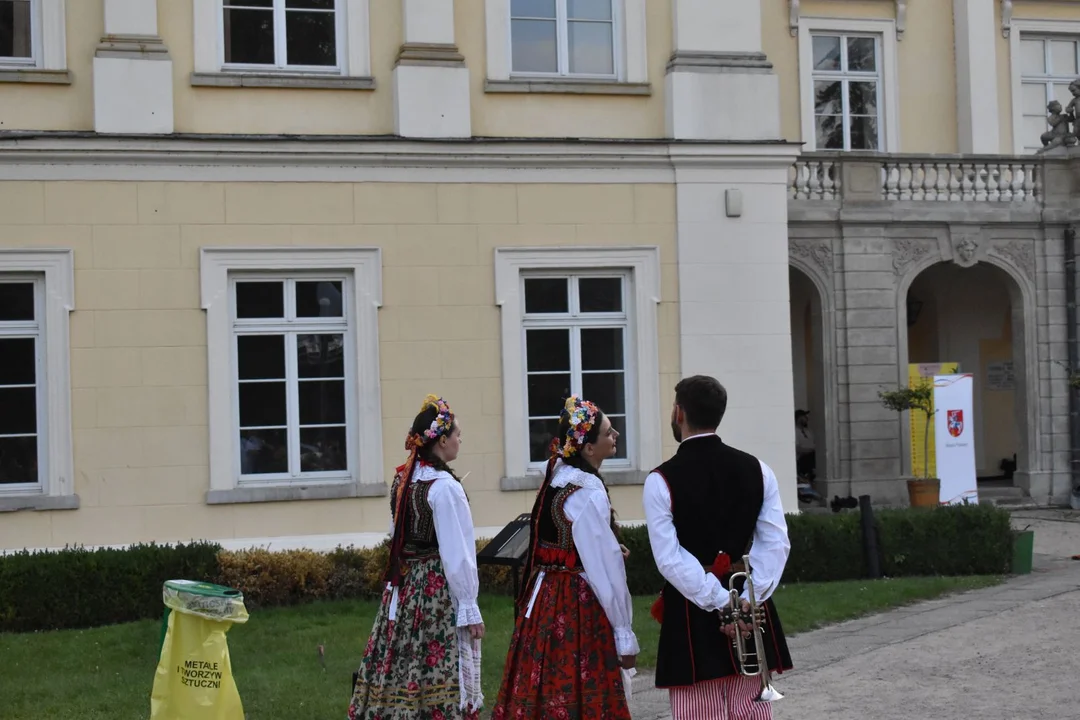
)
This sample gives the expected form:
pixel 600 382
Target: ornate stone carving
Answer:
pixel 816 252
pixel 906 252
pixel 1020 253
pixel 964 252
pixel 901 17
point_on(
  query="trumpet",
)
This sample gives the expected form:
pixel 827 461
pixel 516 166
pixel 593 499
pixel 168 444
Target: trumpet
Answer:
pixel 751 663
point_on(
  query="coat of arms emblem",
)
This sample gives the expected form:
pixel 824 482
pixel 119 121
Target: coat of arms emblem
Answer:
pixel 956 422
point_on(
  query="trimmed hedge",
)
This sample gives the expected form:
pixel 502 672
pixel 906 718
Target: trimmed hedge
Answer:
pixel 80 588
pixel 75 587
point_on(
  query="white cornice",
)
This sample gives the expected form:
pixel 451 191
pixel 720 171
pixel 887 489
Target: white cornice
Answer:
pixel 359 160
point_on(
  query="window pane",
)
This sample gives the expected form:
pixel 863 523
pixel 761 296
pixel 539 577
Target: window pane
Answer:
pixel 249 37
pixel 17 364
pixel 260 357
pixel 15 29
pixel 262 404
pixel 322 402
pixel 864 133
pixel 826 52
pixel 18 460
pixel 250 3
pixel 607 390
pixel 547 350
pixel 547 393
pixel 546 295
pixel 828 97
pixel 601 349
pixel 533 46
pixel 541 433
pixel 1063 57
pixel 19 414
pixel 260 300
pixel 323 449
pixel 600 295
pixel 1032 57
pixel 16 301
pixel 1033 97
pixel 861 53
pixel 588 9
pixel 311 38
pixel 830 132
pixel 532 8
pixel 310 4
pixel 320 356
pixel 318 299
pixel 591 48
pixel 862 98
pixel 263 452
pixel 1062 94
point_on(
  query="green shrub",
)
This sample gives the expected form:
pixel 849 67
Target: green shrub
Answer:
pixel 76 588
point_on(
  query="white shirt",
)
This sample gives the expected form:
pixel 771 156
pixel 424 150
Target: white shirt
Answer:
pixel 768 553
pixel 589 512
pixel 457 540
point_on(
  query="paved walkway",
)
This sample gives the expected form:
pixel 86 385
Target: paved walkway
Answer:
pixel 1002 653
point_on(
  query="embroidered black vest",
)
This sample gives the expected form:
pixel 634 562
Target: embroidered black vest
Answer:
pixel 420 538
pixel 716 497
pixel 555 548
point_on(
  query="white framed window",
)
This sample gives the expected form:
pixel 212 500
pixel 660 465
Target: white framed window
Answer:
pixel 576 328
pixel 36 297
pixel 847 78
pixel 568 39
pixel 1046 64
pixel 283 37
pixel 582 321
pixel 293 372
pixel 32 34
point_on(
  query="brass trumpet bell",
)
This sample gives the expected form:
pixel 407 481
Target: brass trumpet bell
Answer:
pixel 752 663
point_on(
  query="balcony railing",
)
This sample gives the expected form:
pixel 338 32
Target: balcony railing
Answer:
pixel 939 179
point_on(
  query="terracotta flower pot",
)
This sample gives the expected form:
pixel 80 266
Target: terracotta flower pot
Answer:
pixel 924 493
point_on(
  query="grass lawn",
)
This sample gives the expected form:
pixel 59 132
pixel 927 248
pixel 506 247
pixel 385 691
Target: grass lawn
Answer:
pixel 107 673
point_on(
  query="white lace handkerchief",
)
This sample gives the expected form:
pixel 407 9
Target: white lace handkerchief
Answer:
pixel 472 697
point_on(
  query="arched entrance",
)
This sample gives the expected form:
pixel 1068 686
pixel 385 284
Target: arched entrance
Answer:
pixel 974 316
pixel 814 406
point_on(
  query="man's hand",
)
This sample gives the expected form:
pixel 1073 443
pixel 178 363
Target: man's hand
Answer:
pixel 628 662
pixel 477 631
pixel 745 629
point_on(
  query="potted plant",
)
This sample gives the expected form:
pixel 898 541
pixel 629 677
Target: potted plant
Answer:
pixel 923 491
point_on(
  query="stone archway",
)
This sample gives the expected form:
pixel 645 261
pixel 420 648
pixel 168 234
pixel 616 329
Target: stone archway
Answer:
pixel 814 352
pixel 974 301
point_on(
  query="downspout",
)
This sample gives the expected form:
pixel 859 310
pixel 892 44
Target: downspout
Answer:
pixel 1074 370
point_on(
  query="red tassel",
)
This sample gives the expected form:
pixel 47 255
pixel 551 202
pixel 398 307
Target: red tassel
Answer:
pixel 657 610
pixel 721 566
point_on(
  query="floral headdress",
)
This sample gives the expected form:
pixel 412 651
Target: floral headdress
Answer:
pixel 441 425
pixel 582 416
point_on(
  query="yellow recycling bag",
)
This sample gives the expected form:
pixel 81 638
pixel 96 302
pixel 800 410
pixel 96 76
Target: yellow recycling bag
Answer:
pixel 194 679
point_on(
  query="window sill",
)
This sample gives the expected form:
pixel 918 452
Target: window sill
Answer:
pixel 35 76
pixel 532 482
pixel 281 80
pixel 15 503
pixel 277 493
pixel 568 86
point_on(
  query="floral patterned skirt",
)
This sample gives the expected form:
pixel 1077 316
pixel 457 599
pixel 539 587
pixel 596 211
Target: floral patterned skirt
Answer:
pixel 562 662
pixel 410 667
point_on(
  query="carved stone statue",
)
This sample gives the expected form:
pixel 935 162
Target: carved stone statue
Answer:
pixel 1062 124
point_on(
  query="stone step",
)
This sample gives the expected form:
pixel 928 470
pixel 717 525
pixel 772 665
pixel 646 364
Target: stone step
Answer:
pixel 1005 496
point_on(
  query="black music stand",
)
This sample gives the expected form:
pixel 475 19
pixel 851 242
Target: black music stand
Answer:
pixel 509 548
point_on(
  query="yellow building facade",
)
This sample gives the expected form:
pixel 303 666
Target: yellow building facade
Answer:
pixel 239 242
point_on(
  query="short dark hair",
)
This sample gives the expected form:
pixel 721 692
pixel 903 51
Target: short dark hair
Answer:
pixel 704 401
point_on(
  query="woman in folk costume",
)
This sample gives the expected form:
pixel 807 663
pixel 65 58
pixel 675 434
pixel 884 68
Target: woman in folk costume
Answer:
pixel 423 656
pixel 573 636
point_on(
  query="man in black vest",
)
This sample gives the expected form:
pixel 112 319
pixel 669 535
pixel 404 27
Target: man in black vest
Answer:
pixel 704 507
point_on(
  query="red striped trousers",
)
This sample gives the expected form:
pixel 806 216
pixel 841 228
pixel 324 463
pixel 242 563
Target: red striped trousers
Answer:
pixel 729 698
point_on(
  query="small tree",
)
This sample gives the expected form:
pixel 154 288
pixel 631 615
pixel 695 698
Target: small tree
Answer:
pixel 921 398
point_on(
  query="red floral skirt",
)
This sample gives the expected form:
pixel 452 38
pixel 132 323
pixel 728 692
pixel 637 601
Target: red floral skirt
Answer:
pixel 562 662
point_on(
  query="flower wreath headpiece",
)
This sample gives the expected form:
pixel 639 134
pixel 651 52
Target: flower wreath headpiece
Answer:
pixel 444 420
pixel 582 415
